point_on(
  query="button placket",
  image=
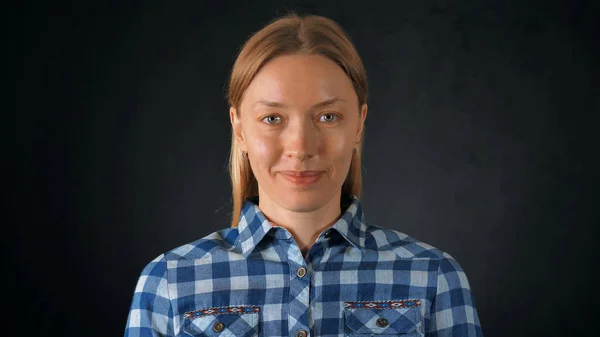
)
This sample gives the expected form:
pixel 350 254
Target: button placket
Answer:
pixel 299 293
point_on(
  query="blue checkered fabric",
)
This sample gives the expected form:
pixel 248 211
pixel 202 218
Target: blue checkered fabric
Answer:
pixel 360 280
pixel 234 325
pixel 399 321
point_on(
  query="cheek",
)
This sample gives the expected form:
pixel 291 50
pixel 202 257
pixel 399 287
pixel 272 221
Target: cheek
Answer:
pixel 340 145
pixel 263 148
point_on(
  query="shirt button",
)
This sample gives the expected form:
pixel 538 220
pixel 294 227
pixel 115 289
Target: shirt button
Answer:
pixel 301 272
pixel 382 322
pixel 301 333
pixel 218 326
pixel 327 234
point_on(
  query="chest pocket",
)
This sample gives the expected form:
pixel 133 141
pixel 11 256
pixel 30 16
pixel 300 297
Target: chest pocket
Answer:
pixel 222 322
pixel 392 318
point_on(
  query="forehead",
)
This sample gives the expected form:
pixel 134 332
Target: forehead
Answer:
pixel 300 81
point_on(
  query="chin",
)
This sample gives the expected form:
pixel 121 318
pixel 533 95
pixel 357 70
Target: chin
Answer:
pixel 305 201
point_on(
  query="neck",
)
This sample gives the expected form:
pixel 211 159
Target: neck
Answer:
pixel 304 226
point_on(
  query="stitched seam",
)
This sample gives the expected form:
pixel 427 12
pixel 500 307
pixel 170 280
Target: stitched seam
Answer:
pixel 411 303
pixel 238 309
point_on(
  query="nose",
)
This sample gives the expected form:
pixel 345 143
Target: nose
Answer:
pixel 300 140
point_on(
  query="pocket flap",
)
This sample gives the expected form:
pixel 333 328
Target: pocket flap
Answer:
pixel 393 317
pixel 222 322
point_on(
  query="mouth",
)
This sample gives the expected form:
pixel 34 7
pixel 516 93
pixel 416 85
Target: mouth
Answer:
pixel 302 178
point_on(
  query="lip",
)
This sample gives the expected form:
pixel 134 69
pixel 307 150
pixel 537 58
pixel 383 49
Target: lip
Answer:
pixel 302 178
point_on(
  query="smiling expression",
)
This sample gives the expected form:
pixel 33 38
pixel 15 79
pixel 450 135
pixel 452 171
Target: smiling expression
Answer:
pixel 299 121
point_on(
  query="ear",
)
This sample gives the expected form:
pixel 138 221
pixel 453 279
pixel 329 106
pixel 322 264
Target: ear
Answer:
pixel 236 126
pixel 361 122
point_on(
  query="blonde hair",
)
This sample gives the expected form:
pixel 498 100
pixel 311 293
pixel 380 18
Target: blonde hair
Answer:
pixel 291 34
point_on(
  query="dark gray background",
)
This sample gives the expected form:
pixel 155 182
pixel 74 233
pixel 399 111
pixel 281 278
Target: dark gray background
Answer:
pixel 480 140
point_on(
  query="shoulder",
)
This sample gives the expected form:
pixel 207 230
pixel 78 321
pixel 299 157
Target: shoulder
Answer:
pixel 405 246
pixel 221 240
pixel 450 274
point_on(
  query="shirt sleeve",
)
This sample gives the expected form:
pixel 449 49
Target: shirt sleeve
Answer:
pixel 453 309
pixel 151 314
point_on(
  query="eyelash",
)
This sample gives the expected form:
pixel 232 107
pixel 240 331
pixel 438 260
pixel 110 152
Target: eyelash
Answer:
pixel 337 117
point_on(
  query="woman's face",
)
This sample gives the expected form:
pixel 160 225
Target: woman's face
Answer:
pixel 299 122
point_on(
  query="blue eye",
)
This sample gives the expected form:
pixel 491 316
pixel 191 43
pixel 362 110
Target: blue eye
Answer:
pixel 272 119
pixel 329 118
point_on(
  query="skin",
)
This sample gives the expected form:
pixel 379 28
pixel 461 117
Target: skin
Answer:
pixel 300 112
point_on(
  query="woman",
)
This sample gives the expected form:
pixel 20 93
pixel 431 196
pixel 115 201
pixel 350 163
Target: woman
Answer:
pixel 300 260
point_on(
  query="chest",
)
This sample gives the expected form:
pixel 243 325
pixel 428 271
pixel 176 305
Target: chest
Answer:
pixel 373 295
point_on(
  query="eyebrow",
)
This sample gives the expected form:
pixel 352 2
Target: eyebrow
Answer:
pixel 275 104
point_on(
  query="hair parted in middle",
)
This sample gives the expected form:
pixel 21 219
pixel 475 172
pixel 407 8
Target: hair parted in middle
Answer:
pixel 291 34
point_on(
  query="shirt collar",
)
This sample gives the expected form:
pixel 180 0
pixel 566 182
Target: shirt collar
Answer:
pixel 253 225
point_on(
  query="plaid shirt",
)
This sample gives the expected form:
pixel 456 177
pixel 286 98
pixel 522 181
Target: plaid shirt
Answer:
pixel 357 279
